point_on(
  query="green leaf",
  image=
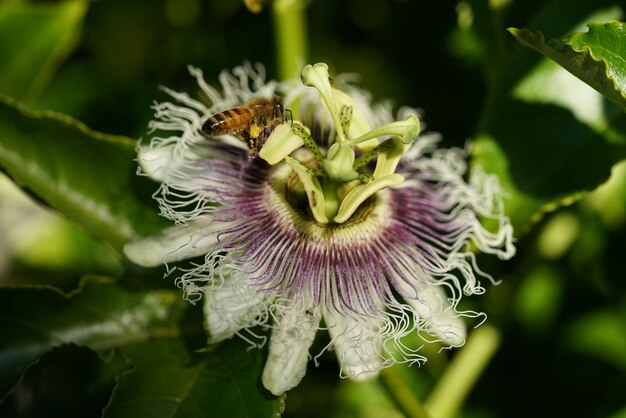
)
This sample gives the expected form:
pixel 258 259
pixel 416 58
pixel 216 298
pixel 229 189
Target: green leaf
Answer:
pixel 598 57
pixel 600 334
pixel 100 315
pixel 549 136
pixel 538 299
pixel 551 153
pixel 171 381
pixel 36 239
pixel 88 176
pixel 169 378
pixel 67 381
pixel 522 208
pixel 34 38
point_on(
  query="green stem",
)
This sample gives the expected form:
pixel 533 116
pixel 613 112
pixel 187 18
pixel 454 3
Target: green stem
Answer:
pixel 460 377
pixel 402 394
pixel 290 33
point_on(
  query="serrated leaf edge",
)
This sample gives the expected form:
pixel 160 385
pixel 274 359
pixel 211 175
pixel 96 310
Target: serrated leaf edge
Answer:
pixel 587 50
pixel 557 45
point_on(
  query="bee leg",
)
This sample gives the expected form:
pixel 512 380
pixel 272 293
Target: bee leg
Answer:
pixel 253 144
pixel 251 140
pixel 244 136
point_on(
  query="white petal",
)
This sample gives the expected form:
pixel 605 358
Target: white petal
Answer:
pixel 357 345
pixel 232 307
pixel 156 162
pixel 181 164
pixel 289 346
pixel 440 318
pixel 173 244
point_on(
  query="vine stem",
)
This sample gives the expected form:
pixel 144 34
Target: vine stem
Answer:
pixel 290 33
pixel 463 372
pixel 402 395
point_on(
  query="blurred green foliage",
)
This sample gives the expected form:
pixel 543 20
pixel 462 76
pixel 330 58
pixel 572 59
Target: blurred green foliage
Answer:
pixel 561 303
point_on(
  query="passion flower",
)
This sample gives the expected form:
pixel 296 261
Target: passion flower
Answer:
pixel 348 220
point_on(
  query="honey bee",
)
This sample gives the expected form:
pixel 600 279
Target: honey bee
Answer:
pixel 252 123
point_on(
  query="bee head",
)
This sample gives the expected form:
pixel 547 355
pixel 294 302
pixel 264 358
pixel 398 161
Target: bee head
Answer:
pixel 279 107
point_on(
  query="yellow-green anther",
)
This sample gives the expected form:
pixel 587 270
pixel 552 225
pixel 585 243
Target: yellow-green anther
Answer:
pixel 338 163
pixel 317 76
pixel 346 117
pixel 308 141
pixel 359 124
pixel 360 193
pixel 388 160
pixel 368 156
pixel 313 189
pixel 407 130
pixel 283 140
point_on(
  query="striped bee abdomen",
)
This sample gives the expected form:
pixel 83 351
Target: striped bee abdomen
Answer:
pixel 228 121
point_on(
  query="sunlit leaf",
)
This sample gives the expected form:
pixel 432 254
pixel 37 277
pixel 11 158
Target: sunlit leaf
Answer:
pixel 36 239
pixel 538 299
pixel 522 208
pixel 609 200
pixel 619 414
pixel 597 57
pixel 172 381
pixel 100 315
pixel 88 176
pixel 600 334
pixel 34 38
pixel 549 136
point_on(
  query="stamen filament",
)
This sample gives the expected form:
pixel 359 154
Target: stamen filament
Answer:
pixel 308 141
pixel 368 156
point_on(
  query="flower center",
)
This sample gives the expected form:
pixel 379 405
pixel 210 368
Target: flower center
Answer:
pixel 336 181
pixel 288 201
pixel 296 196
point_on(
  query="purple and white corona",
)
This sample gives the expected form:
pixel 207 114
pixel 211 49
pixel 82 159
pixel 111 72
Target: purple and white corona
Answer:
pixel 348 221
